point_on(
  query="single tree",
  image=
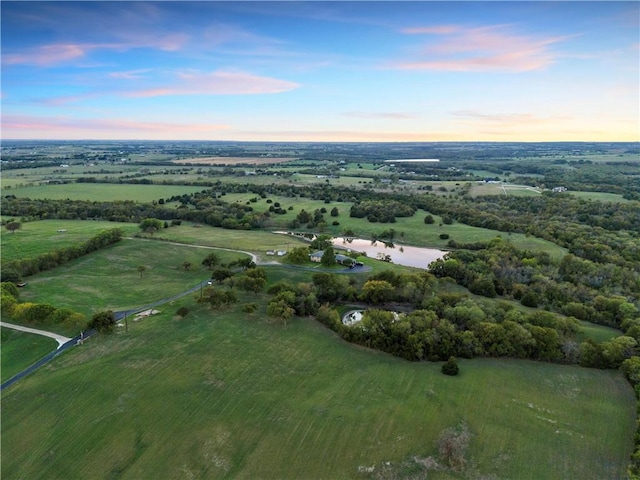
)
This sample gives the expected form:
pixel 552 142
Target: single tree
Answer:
pixel 12 226
pixel 141 270
pixel 186 265
pixel 151 225
pixel 328 257
pixel 212 260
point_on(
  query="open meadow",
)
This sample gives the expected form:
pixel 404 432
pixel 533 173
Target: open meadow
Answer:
pixel 226 395
pixel 111 279
pixel 36 238
pixel 102 192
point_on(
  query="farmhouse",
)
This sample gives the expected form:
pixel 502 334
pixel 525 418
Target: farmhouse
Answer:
pixel 317 257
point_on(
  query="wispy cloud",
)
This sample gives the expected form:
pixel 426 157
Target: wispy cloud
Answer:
pixel 381 115
pixel 508 122
pixel 350 136
pixel 481 49
pixel 15 126
pixel 130 74
pixel 62 53
pixel 218 83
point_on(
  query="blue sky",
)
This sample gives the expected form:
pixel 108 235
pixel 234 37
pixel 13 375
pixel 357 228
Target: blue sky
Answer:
pixel 321 71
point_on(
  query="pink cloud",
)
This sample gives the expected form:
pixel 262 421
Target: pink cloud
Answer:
pixel 129 75
pixel 54 54
pixel 47 55
pixel 25 126
pixel 435 30
pixel 218 83
pixel 493 48
pixel 380 115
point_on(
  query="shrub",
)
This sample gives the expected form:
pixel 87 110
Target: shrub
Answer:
pixel 103 322
pixel 444 236
pixel 182 312
pixel 450 367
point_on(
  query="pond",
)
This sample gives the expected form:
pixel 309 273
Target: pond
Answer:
pixel 400 254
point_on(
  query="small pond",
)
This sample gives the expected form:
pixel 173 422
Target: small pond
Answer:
pixel 400 254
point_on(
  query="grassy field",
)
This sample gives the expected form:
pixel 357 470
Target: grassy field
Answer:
pixel 258 241
pixel 226 395
pixel 21 349
pixel 100 192
pixel 414 231
pixel 600 196
pixel 36 238
pixel 109 278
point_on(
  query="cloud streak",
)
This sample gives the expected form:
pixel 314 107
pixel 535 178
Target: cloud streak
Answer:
pixel 381 115
pixel 16 126
pixel 481 49
pixel 63 53
pixel 218 83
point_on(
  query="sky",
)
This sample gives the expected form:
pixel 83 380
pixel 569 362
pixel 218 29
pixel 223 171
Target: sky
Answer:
pixel 350 71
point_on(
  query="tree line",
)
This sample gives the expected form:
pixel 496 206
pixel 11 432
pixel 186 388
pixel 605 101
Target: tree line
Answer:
pixel 14 270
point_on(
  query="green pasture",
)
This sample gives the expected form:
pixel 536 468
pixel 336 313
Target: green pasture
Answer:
pixel 101 192
pixel 480 189
pixel 409 231
pixel 413 231
pixel 595 332
pixel 36 238
pixel 20 350
pixel 224 394
pixel 255 241
pixel 109 278
pixel 600 196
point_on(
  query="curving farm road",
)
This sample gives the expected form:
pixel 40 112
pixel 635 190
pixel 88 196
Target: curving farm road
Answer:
pixel 58 338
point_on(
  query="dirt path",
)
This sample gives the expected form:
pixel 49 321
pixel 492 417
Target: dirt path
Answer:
pixel 58 338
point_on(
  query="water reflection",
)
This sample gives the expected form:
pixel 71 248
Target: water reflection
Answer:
pixel 388 251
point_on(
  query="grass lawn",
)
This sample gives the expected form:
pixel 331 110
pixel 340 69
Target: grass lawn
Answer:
pixel 597 333
pixel 600 196
pixel 36 238
pixel 258 241
pixel 100 192
pixel 109 278
pixel 226 395
pixel 21 349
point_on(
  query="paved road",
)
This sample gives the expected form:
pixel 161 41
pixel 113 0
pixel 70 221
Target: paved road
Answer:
pixel 58 338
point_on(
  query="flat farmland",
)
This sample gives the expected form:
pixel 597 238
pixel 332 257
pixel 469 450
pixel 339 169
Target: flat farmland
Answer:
pixel 226 395
pixel 234 160
pixel 103 192
pixel 36 238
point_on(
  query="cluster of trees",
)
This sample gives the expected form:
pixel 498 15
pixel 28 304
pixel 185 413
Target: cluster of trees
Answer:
pixel 36 314
pixel 438 326
pixel 14 270
pixel 572 286
pixel 452 325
